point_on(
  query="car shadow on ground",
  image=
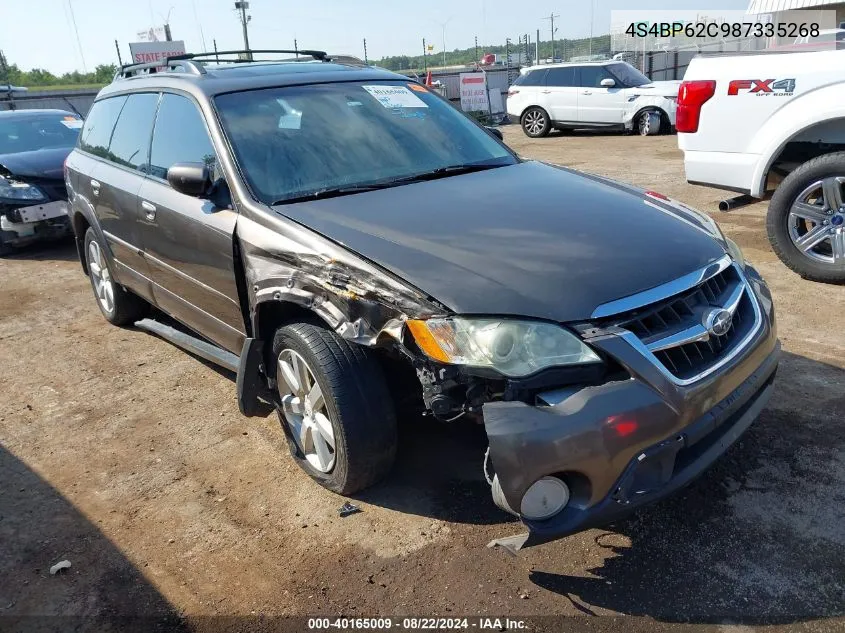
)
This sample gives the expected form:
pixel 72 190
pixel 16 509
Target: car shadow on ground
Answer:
pixel 759 538
pixel 439 473
pixel 61 250
pixel 102 591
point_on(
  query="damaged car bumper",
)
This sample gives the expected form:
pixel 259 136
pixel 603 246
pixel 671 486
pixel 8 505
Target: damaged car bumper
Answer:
pixel 618 446
pixel 23 224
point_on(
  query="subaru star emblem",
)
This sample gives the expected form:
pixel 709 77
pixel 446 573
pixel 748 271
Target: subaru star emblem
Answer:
pixel 718 321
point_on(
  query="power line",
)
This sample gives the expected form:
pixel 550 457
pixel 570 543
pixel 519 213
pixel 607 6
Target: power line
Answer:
pixel 78 42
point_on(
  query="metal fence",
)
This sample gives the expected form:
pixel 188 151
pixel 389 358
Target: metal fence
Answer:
pixel 78 101
pixel 672 64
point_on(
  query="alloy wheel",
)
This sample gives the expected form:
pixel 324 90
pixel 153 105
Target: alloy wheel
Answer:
pixel 534 122
pixel 103 287
pixel 304 410
pixel 817 221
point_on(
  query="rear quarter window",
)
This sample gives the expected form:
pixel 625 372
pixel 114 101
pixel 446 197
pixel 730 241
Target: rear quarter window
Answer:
pixel 532 78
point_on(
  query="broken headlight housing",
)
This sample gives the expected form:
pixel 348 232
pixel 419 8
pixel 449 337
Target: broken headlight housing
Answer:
pixel 514 348
pixel 19 191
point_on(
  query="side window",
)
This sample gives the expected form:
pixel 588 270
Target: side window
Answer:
pixel 533 78
pixel 561 77
pixel 180 136
pixel 96 134
pixel 130 142
pixel 591 76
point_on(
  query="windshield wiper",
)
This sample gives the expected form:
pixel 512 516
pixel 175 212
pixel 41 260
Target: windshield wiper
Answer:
pixel 322 194
pixel 440 172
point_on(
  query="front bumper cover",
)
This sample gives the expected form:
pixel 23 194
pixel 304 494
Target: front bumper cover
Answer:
pixel 625 444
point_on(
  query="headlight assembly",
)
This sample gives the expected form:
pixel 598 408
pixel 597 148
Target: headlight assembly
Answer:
pixel 513 348
pixel 14 190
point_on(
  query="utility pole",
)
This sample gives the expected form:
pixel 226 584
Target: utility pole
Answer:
pixel 242 6
pixel 366 63
pixel 425 58
pixel 476 49
pixel 216 56
pixel 551 18
pixel 296 47
pixel 167 36
pixel 537 48
pixel 592 9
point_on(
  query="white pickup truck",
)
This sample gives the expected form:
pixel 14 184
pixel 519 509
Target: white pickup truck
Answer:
pixel 752 122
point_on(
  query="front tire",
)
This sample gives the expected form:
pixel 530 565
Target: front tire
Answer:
pixel 119 307
pixel 335 408
pixel 649 123
pixel 806 219
pixel 535 122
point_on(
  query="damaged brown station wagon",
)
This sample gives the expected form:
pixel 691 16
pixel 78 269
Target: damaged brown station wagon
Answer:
pixel 347 241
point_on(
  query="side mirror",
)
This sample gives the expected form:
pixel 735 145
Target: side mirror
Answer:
pixel 607 83
pixel 496 132
pixel 192 179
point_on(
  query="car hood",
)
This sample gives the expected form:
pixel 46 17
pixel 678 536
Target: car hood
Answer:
pixel 42 163
pixel 529 239
pixel 659 88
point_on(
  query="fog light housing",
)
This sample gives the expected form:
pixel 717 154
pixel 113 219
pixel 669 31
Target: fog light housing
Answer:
pixel 545 498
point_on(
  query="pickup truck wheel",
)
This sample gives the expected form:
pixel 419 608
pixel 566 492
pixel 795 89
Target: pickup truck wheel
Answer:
pixel 536 122
pixel 806 219
pixel 119 306
pixel 334 407
pixel 649 123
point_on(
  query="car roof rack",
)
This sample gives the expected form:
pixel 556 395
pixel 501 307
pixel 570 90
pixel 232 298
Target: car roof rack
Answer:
pixel 194 63
pixel 246 55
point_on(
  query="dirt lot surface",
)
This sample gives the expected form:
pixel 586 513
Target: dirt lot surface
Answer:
pixel 129 458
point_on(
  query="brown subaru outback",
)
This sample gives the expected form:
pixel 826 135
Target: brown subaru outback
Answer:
pixel 344 239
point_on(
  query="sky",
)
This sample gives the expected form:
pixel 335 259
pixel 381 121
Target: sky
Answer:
pixel 40 33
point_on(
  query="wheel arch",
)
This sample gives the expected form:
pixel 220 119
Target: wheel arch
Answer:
pixel 803 144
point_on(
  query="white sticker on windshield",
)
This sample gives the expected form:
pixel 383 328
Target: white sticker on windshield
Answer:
pixel 395 97
pixel 73 124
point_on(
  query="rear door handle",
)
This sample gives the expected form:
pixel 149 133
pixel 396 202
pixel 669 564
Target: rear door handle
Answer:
pixel 95 187
pixel 586 92
pixel 149 210
pixel 547 92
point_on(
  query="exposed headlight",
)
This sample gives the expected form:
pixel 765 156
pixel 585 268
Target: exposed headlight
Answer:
pixel 513 348
pixel 14 190
pixel 735 252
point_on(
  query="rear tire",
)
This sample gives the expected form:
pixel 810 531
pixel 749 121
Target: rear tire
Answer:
pixel 119 307
pixel 808 198
pixel 352 397
pixel 535 122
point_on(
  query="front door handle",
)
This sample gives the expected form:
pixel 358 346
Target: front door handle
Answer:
pixel 95 187
pixel 587 92
pixel 547 92
pixel 149 210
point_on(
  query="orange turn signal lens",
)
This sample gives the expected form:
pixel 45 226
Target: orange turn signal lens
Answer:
pixel 426 341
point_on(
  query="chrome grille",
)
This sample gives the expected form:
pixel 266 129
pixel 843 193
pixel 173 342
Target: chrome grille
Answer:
pixel 673 328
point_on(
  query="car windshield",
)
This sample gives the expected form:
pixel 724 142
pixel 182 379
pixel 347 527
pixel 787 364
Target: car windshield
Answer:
pixel 28 133
pixel 629 75
pixel 301 141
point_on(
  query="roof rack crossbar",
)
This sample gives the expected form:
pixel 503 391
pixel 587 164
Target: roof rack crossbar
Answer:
pixel 320 55
pixel 133 70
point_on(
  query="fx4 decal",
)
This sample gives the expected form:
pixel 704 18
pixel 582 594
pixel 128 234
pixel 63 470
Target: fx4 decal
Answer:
pixel 762 87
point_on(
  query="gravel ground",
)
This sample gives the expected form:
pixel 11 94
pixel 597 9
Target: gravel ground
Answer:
pixel 129 458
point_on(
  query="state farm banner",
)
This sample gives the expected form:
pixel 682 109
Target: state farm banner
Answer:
pixel 474 92
pixel 147 52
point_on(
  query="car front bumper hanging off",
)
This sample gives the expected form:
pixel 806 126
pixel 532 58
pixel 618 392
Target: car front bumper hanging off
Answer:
pixel 624 444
